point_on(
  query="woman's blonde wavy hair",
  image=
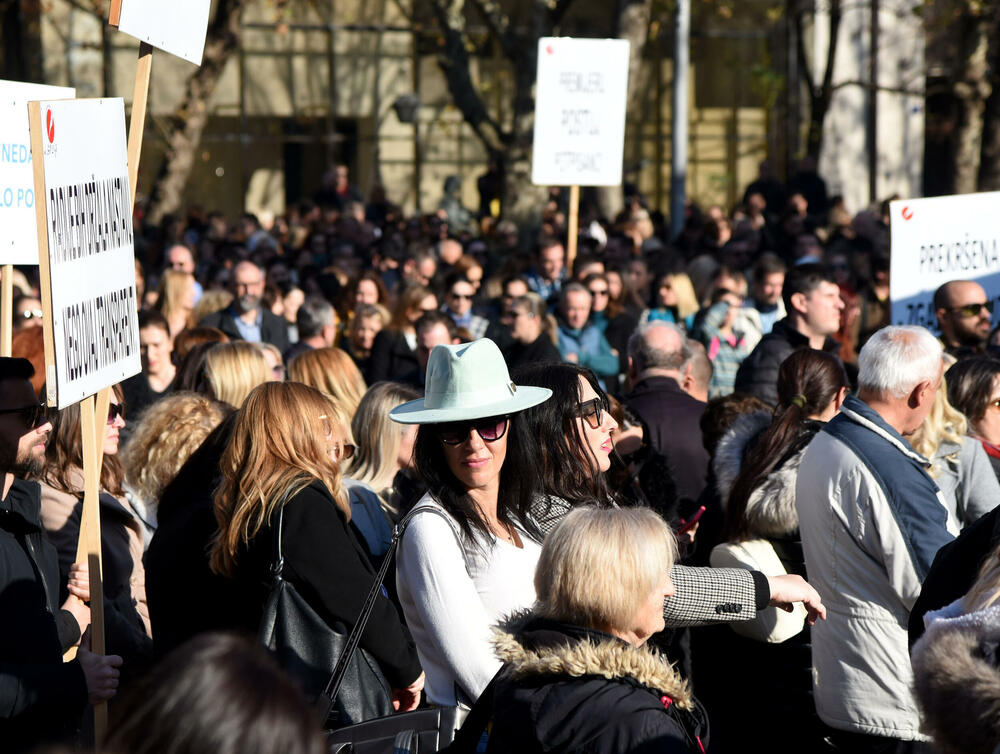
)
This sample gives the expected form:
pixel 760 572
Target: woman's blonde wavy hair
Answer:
pixel 378 437
pixel 168 433
pixel 333 373
pixel 986 590
pixel 280 444
pixel 943 423
pixel 234 369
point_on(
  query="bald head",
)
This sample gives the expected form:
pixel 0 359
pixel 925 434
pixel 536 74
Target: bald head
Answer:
pixel 657 348
pixel 962 314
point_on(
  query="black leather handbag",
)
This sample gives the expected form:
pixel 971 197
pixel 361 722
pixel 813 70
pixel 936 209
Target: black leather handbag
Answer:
pixel 308 647
pixel 422 730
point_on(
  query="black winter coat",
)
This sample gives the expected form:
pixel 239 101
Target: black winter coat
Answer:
pixel 672 419
pixel 41 697
pixel 758 374
pixel 570 689
pixel 542 351
pixel 391 357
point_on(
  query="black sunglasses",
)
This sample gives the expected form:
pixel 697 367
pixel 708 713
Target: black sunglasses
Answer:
pixel 490 429
pixel 592 411
pixel 33 416
pixel 114 411
pixel 973 310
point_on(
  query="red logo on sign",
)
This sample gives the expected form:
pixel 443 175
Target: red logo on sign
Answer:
pixel 50 126
pixel 907 213
pixel 548 49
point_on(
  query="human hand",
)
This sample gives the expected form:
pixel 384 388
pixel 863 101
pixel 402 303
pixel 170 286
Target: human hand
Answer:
pixel 406 700
pixel 791 588
pixel 100 671
pixel 79 581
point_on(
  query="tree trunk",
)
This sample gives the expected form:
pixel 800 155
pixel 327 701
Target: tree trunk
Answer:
pixel 971 89
pixel 633 25
pixel 821 92
pixel 191 116
pixel 989 165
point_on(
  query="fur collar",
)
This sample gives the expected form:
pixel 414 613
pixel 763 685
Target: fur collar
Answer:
pixel 612 659
pixel 732 448
pixel 957 681
pixel 770 511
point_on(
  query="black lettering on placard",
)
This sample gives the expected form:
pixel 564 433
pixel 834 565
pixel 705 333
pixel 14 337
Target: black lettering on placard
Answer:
pixel 89 218
pixel 98 332
pixel 967 256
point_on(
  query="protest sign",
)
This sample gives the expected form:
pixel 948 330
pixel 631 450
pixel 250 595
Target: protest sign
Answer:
pixel 580 100
pixel 18 237
pixel 937 240
pixel 177 27
pixel 86 251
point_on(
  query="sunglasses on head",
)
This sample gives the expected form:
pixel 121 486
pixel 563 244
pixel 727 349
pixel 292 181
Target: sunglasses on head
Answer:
pixel 593 411
pixel 973 310
pixel 490 429
pixel 33 416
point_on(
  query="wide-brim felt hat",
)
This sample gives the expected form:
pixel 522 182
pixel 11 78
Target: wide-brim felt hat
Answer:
pixel 468 381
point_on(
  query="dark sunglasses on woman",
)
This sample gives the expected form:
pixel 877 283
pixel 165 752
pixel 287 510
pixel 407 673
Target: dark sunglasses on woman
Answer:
pixel 593 411
pixel 114 411
pixel 490 429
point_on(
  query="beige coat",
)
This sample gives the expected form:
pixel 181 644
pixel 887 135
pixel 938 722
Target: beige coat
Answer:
pixel 57 506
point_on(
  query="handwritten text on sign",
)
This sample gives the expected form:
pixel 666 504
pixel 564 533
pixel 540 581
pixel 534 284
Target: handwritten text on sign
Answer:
pixel 88 223
pixel 580 111
pixel 18 232
pixel 937 240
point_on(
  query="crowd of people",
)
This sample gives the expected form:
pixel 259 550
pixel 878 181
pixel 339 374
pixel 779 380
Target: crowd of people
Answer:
pixel 654 494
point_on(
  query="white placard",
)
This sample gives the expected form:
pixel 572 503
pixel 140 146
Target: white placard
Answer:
pixel 91 254
pixel 937 240
pixel 178 26
pixel 580 101
pixel 18 232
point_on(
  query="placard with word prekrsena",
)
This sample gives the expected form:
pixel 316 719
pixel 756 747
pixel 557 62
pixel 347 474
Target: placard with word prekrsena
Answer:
pixel 91 253
pixel 580 99
pixel 937 240
pixel 18 232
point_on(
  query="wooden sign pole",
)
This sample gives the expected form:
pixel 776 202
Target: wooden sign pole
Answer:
pixel 572 230
pixel 6 309
pixel 137 123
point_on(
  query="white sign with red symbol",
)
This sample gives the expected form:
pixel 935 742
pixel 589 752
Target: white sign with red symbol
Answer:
pixel 178 26
pixel 580 101
pixel 937 240
pixel 18 234
pixel 85 196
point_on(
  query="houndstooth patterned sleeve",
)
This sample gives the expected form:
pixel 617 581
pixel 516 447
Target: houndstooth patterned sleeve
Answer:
pixel 712 595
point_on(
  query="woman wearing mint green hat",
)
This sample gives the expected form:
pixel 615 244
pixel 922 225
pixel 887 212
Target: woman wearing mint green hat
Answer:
pixel 460 571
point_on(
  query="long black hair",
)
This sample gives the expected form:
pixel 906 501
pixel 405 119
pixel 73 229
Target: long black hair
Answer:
pixel 807 381
pixel 565 470
pixel 517 477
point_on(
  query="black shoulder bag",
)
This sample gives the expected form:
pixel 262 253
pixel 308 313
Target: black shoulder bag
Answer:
pixel 307 647
pixel 423 730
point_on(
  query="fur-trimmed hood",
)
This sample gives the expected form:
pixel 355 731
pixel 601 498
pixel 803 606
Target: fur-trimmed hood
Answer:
pixel 585 653
pixel 957 682
pixel 770 510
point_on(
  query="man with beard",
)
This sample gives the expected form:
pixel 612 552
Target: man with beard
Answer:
pixel 964 313
pixel 41 697
pixel 245 318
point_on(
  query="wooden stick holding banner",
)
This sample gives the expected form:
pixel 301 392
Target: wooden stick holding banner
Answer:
pixel 137 123
pixel 6 309
pixel 79 153
pixel 572 226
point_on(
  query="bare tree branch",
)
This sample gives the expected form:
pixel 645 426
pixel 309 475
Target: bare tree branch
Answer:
pixel 499 25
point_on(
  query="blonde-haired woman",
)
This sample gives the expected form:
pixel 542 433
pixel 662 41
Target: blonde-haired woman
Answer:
pixel 232 370
pixel 168 433
pixel 333 373
pixel 577 675
pixel 282 465
pixel 959 464
pixel 672 300
pixel 394 350
pixel 176 300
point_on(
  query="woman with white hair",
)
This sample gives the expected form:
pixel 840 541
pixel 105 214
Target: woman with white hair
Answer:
pixel 577 675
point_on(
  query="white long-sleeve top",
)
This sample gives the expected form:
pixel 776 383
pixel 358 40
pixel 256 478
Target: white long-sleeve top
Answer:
pixel 452 592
